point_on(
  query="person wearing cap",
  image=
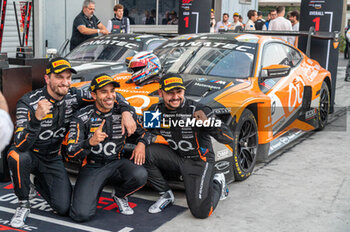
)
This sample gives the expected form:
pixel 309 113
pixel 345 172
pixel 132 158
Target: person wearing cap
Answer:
pixel 236 23
pixel 95 137
pixel 212 21
pixel 86 25
pixel 43 117
pixel 189 150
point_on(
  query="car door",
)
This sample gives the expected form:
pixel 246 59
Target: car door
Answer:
pixel 286 93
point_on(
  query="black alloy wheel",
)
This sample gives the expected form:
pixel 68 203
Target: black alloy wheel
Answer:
pixel 246 145
pixel 324 106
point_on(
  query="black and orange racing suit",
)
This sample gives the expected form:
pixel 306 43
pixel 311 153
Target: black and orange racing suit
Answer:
pixel 37 146
pixel 103 164
pixel 189 153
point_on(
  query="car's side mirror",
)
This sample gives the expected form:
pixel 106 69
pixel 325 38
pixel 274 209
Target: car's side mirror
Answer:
pixel 127 60
pixel 275 71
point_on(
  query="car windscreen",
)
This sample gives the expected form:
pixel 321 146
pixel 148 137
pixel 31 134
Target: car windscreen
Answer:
pixel 101 52
pixel 233 61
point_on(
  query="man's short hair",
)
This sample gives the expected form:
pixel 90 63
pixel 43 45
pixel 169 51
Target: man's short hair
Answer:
pixel 225 14
pixel 272 10
pixel 117 7
pixel 259 13
pixel 251 13
pixel 294 14
pixel 86 3
pixel 280 9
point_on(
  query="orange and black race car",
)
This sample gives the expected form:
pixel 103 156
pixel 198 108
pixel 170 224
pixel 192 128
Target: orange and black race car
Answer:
pixel 268 92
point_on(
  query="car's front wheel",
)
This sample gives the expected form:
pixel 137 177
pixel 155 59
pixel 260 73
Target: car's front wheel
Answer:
pixel 245 145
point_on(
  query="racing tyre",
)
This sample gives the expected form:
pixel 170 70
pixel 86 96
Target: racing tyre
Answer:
pixel 324 106
pixel 245 145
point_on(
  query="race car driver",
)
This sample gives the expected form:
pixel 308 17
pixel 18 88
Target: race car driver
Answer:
pixel 42 119
pixel 95 135
pixel 189 150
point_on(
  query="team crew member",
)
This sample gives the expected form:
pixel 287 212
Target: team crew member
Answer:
pixel 253 16
pixel 236 23
pixel 189 152
pixel 118 24
pixel 43 117
pixel 86 25
pixel 95 136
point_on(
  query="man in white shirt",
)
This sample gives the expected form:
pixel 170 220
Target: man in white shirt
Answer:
pixel 224 24
pixel 6 125
pixel 293 17
pixel 253 16
pixel 236 22
pixel 281 24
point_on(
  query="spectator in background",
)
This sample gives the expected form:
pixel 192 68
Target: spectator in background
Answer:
pixel 131 19
pixel 236 23
pixel 166 19
pixel 86 25
pixel 224 24
pixel 272 15
pixel 253 16
pixel 281 24
pixel 6 125
pixel 212 21
pixel 293 17
pixel 118 24
pixel 173 18
pixel 148 19
pixel 240 18
pixel 260 22
pixel 347 41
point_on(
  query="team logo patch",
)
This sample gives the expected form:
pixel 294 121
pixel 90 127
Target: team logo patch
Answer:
pixel 173 80
pixel 60 62
pixel 47 116
pixel 151 119
pixel 103 78
pixel 93 129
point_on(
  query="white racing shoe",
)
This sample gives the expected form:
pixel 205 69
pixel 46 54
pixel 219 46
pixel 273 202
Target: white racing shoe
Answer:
pixel 20 215
pixel 123 204
pixel 164 200
pixel 220 177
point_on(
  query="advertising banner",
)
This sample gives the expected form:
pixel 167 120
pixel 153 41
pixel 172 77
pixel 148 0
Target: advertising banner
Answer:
pixel 194 16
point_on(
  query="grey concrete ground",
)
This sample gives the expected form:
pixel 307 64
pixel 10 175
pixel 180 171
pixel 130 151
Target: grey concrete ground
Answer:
pixel 305 189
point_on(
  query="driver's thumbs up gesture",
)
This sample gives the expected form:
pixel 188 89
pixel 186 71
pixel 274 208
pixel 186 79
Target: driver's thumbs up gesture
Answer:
pixel 99 135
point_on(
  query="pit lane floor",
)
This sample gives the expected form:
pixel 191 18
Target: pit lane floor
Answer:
pixel 305 189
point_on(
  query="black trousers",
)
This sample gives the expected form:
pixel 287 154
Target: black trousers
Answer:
pixel 125 176
pixel 202 193
pixel 51 179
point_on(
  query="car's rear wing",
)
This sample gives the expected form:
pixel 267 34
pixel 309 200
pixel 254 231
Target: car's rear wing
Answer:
pixel 310 34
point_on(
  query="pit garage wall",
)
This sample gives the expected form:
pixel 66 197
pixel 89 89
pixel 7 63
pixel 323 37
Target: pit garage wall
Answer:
pixel 10 36
pixel 54 20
